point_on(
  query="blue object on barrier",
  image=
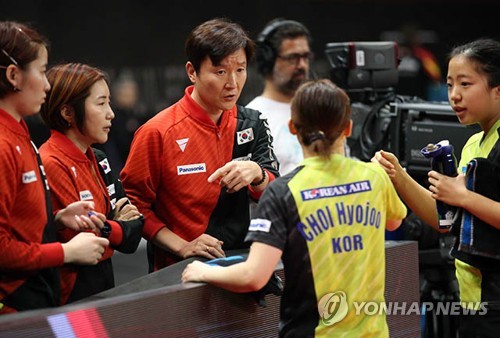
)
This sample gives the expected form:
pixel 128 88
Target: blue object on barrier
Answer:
pixel 226 261
pixel 274 285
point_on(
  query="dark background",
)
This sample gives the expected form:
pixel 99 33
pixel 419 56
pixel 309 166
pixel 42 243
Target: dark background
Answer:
pixel 136 33
pixel 147 37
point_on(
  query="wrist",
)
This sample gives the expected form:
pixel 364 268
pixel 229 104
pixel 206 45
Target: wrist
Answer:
pixel 263 175
pixel 58 219
pixel 106 230
pixel 67 252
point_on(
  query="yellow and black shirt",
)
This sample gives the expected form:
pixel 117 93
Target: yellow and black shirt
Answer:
pixel 478 277
pixel 328 217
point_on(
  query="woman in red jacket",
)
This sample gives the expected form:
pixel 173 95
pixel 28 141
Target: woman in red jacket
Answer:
pixel 29 253
pixel 78 112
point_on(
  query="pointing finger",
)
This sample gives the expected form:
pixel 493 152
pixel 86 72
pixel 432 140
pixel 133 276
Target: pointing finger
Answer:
pixel 218 173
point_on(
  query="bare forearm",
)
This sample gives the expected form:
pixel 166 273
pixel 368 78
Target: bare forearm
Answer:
pixel 248 276
pixel 169 241
pixel 235 278
pixel 482 207
pixel 418 199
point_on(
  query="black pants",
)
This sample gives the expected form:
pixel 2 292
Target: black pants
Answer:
pixel 486 325
pixel 480 326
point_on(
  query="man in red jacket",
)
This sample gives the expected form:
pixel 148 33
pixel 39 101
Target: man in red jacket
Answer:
pixel 193 167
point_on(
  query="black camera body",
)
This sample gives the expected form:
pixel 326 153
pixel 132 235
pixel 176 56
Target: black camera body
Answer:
pixel 364 67
pixel 368 71
pixel 416 125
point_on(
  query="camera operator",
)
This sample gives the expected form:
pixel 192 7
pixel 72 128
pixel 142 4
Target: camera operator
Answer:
pixel 283 57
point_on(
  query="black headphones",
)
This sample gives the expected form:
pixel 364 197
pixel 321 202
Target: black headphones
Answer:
pixel 265 54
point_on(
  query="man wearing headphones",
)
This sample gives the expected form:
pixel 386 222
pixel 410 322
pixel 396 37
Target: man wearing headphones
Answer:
pixel 283 58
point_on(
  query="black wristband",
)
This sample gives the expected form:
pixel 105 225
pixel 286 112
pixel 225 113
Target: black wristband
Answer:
pixel 106 230
pixel 263 176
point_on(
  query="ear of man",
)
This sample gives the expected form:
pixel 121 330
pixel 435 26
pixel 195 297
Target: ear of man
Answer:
pixel 191 72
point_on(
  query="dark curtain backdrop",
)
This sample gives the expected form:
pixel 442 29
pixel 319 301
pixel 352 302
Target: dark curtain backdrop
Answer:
pixel 145 38
pixel 146 32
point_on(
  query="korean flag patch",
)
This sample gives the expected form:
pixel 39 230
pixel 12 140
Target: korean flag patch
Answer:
pixel 105 165
pixel 244 136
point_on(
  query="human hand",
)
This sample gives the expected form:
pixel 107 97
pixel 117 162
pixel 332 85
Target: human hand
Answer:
pixel 203 246
pixel 80 216
pixel 449 190
pixel 235 175
pixel 125 210
pixel 85 248
pixel 195 271
pixel 390 163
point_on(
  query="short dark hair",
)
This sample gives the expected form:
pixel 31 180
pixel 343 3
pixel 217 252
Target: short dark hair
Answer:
pixel 270 39
pixel 217 38
pixel 320 112
pixel 70 85
pixel 485 53
pixel 20 45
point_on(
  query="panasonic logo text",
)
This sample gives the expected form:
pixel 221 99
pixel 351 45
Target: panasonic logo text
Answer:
pixel 191 169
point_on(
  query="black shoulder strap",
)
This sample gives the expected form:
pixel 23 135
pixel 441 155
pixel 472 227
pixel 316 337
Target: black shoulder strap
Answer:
pixel 49 234
pixel 108 176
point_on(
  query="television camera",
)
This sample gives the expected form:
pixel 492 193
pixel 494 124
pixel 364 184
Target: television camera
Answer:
pixel 403 125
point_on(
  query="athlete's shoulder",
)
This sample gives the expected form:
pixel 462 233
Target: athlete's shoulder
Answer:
pixel 368 169
pixel 164 120
pixel 473 141
pixel 283 182
pixel 99 154
pixel 49 152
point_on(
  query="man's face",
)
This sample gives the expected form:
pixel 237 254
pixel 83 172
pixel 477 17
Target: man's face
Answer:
pixel 218 87
pixel 291 67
